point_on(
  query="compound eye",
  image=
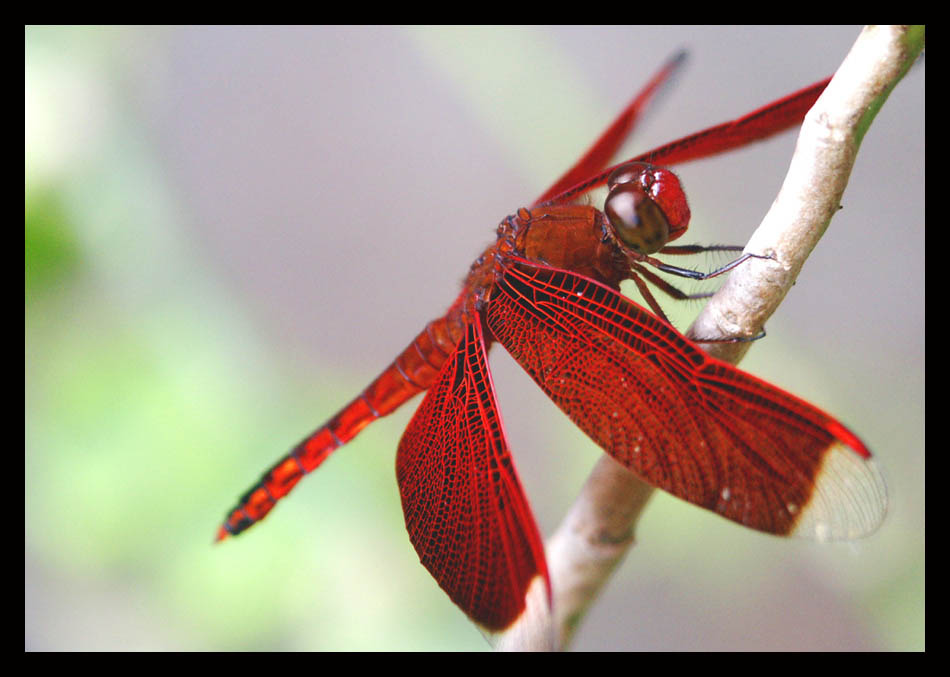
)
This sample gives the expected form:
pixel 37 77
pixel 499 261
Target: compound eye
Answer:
pixel 637 219
pixel 631 172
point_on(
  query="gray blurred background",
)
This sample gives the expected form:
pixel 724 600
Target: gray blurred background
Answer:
pixel 230 231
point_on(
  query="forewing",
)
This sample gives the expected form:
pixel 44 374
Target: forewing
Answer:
pixel 466 513
pixel 599 154
pixel 685 422
pixel 757 125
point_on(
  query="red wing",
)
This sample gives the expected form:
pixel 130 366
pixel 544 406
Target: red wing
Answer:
pixel 685 422
pixel 757 125
pixel 599 154
pixel 466 513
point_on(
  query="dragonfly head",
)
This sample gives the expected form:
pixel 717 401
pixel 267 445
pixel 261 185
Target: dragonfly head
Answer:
pixel 646 206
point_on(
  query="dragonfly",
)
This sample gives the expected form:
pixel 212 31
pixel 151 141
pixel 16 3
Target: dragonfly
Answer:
pixel 548 291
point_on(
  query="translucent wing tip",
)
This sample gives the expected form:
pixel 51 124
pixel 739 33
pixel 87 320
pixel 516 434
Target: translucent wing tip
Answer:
pixel 849 500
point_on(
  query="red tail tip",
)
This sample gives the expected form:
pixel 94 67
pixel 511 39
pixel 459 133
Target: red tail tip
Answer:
pixel 222 534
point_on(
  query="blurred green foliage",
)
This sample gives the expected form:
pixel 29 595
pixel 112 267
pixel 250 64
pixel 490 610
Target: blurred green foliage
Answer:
pixel 52 252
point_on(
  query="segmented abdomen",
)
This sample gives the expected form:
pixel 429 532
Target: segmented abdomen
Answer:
pixel 413 371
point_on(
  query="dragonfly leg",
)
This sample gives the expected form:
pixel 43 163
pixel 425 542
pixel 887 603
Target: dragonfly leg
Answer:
pixel 695 274
pixel 639 272
pixel 733 339
pixel 667 288
pixel 648 295
pixel 684 250
pixel 689 249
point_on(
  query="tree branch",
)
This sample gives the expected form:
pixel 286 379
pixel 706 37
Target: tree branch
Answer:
pixel 598 530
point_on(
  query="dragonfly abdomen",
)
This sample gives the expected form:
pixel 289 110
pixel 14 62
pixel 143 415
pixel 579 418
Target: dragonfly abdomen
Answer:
pixel 413 371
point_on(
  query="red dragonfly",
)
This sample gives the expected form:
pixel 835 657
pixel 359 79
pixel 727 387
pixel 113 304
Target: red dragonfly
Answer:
pixel 548 291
